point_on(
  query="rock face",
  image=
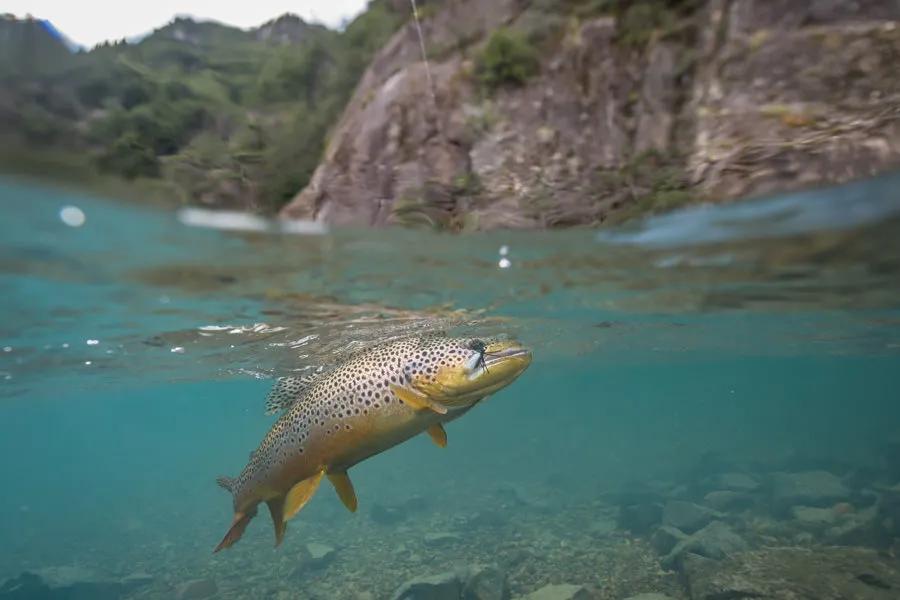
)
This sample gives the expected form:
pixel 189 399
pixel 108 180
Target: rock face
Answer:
pixel 783 573
pixel 743 97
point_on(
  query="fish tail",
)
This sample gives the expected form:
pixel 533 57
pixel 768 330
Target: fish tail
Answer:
pixel 234 533
pixel 241 519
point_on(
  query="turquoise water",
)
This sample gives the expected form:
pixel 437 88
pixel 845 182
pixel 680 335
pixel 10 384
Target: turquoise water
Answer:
pixel 137 351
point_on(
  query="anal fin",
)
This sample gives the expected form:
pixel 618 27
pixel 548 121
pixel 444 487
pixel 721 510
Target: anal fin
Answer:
pixel 438 435
pixel 300 495
pixel 344 488
pixel 276 509
pixel 417 401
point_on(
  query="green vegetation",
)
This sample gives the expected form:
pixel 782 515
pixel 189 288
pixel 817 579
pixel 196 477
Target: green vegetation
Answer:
pixel 651 182
pixel 439 206
pixel 638 20
pixel 508 58
pixel 226 116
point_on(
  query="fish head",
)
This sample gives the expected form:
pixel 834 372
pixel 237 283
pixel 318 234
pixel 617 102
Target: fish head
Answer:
pixel 458 372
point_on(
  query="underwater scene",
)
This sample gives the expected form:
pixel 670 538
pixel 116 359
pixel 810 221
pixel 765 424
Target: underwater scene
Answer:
pixel 700 405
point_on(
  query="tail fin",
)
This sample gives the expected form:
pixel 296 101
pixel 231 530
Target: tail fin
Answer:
pixel 238 525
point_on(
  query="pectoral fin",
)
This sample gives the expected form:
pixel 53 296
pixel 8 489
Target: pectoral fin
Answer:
pixel 438 435
pixel 300 495
pixel 418 401
pixel 344 488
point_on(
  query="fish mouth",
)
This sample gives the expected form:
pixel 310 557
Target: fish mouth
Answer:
pixel 505 352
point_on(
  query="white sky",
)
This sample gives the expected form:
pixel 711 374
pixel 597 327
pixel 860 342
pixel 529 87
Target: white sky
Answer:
pixel 88 22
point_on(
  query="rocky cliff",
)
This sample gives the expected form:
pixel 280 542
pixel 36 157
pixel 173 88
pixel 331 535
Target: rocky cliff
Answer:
pixel 635 107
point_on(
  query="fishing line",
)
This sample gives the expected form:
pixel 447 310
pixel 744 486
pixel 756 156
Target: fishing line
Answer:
pixel 415 11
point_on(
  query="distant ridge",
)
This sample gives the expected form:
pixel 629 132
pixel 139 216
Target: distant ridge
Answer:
pixel 59 36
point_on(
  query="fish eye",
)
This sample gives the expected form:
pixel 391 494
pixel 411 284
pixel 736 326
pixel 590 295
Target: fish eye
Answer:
pixel 477 345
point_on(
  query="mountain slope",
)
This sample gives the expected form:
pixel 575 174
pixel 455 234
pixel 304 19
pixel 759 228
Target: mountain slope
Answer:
pixel 222 116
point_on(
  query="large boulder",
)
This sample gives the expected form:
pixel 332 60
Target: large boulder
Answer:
pixel 640 518
pixel 444 586
pixel 665 538
pixel 809 488
pixel 735 482
pixel 715 541
pixel 687 516
pixel 477 582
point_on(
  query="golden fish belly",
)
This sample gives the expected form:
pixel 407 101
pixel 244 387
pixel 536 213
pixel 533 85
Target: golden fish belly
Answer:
pixel 338 444
pixel 375 434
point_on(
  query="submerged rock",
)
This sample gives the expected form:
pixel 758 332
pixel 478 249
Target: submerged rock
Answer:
pixel 196 589
pixel 715 541
pixel 563 591
pixel 889 510
pixel 862 528
pixel 640 518
pixel 486 583
pixel 727 500
pixel 319 555
pixel 444 586
pixel 813 517
pixel 69 583
pixel 735 482
pixel 665 538
pixel 810 488
pixel 820 573
pixel 687 516
pixel 477 582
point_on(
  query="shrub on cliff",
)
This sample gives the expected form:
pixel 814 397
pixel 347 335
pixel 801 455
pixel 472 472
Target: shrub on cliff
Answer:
pixel 507 59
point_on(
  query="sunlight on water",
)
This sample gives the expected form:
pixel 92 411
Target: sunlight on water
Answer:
pixel 137 348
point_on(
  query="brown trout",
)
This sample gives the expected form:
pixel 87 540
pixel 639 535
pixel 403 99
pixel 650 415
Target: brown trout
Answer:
pixel 373 401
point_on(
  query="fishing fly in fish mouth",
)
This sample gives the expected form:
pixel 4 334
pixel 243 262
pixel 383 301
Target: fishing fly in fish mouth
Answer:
pixel 375 400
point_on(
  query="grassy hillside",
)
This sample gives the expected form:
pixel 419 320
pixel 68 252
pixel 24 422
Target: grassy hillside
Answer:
pixel 226 117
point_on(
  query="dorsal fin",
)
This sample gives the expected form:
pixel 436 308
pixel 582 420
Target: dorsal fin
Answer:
pixel 226 483
pixel 288 390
